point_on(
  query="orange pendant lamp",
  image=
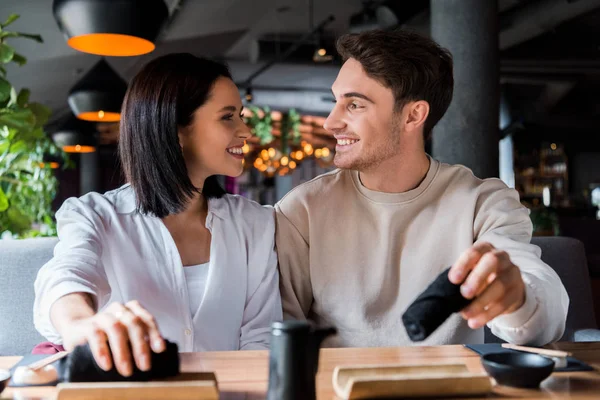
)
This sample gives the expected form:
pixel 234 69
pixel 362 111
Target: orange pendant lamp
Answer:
pixel 98 95
pixel 76 136
pixel 111 27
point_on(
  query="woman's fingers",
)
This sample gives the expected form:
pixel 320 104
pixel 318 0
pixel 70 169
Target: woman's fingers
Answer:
pixel 156 340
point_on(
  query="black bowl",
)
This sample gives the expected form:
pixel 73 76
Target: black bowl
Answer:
pixel 4 379
pixel 523 370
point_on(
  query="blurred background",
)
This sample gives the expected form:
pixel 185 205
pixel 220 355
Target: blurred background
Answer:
pixel 526 107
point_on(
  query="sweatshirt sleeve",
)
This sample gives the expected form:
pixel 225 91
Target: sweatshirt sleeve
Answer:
pixel 293 251
pixel 503 221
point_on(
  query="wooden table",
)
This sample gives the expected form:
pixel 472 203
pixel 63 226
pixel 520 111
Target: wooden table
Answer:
pixel 244 374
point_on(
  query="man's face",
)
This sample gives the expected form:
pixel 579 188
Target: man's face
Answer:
pixel 363 120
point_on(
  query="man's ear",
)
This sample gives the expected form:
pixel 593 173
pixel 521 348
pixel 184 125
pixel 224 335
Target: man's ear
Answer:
pixel 416 114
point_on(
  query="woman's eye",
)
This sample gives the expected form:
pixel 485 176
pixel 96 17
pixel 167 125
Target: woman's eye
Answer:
pixel 353 106
pixel 227 117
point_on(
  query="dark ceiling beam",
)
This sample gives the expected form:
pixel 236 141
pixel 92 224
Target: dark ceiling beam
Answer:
pixel 534 18
pixel 306 37
pixel 568 67
pixel 552 94
pixel 522 20
pixel 570 123
pixel 314 101
pixel 505 5
pixel 529 79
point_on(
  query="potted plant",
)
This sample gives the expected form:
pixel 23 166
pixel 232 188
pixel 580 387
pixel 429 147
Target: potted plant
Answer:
pixel 27 182
pixel 545 222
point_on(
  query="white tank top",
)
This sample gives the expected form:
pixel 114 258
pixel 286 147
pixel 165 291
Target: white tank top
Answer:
pixel 196 277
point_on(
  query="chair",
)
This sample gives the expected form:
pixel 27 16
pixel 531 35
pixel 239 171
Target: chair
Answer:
pixel 567 257
pixel 20 261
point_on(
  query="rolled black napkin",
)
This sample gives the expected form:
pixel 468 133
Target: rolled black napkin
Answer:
pixel 441 299
pixel 80 366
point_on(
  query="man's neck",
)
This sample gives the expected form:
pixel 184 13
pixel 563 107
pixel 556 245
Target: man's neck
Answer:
pixel 398 174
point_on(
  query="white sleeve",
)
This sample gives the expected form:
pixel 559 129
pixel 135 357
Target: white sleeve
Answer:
pixel 75 267
pixel 504 222
pixel 263 303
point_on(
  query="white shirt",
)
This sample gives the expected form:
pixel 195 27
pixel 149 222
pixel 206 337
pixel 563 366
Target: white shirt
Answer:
pixel 195 279
pixel 108 249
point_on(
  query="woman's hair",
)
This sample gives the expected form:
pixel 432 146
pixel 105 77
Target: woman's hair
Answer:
pixel 161 99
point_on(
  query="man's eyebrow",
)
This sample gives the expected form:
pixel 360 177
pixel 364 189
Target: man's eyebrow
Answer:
pixel 355 94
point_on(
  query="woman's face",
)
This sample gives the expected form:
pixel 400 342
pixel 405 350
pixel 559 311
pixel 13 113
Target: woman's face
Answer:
pixel 212 143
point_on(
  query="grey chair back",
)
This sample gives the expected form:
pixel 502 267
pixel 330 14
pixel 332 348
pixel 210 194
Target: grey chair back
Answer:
pixel 567 257
pixel 20 261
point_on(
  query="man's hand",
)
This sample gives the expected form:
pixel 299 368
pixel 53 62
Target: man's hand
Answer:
pixel 491 279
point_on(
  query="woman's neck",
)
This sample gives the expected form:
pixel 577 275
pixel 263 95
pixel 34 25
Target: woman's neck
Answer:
pixel 196 207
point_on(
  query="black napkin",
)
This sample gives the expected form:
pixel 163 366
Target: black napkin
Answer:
pixel 439 301
pixel 573 364
pixel 80 366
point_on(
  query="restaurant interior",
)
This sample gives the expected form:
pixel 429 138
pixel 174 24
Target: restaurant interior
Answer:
pixel 536 81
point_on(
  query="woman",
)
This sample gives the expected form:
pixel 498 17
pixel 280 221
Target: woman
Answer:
pixel 169 255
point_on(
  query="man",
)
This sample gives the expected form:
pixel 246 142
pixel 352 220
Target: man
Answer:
pixel 356 246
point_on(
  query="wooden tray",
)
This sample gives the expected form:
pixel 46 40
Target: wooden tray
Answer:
pixel 381 381
pixel 201 386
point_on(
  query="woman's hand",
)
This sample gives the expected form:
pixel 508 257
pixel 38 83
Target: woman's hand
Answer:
pixel 127 331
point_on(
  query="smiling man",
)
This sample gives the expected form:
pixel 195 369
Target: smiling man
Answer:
pixel 356 246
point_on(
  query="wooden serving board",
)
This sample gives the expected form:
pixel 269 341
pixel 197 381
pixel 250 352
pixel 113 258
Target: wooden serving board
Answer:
pixel 201 386
pixel 381 381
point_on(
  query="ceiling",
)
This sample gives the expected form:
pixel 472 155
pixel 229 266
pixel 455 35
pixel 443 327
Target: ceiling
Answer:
pixel 550 51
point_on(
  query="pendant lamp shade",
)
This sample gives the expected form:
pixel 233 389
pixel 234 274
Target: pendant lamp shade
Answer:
pixel 76 136
pixel 98 95
pixel 111 27
pixel 51 161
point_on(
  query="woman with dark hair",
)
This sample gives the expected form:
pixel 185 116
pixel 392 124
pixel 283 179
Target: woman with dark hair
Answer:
pixel 169 255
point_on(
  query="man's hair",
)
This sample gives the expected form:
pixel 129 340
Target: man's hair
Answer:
pixel 414 67
pixel 160 99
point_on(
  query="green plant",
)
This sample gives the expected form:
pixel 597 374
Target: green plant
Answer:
pixel 545 221
pixel 260 123
pixel 27 184
pixel 290 130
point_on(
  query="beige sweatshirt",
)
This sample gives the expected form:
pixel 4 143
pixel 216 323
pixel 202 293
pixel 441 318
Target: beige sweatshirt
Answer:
pixel 355 258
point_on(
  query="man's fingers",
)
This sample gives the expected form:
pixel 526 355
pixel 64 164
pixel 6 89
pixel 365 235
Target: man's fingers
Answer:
pixel 490 263
pixel 483 318
pixel 467 261
pixel 492 294
pixel 503 296
pixel 505 305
